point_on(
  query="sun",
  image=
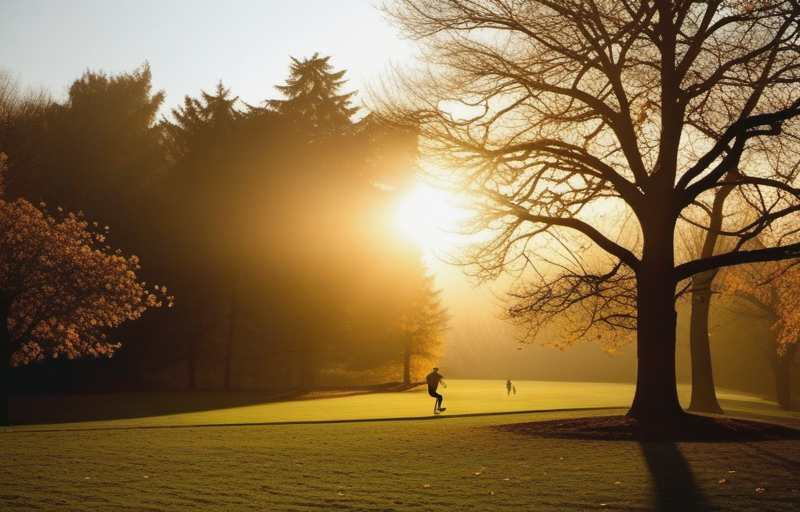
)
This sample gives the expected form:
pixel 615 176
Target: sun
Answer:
pixel 430 217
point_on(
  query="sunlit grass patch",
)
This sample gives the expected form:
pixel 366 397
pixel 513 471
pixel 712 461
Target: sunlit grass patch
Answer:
pixel 461 397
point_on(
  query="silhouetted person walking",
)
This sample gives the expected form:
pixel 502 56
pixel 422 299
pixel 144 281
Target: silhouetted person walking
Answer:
pixel 434 378
pixel 510 386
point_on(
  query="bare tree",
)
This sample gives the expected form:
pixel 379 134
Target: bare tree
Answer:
pixel 704 396
pixel 568 120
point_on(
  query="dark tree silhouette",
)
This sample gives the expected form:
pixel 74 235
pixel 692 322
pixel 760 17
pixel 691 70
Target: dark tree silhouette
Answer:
pixel 313 101
pixel 24 137
pixel 106 147
pixel 202 140
pixel 599 127
pixel 61 289
pixel 201 127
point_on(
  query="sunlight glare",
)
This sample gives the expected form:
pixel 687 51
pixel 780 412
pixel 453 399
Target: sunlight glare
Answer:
pixel 429 216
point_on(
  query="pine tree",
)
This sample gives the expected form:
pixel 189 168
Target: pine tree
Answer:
pixel 201 126
pixel 313 102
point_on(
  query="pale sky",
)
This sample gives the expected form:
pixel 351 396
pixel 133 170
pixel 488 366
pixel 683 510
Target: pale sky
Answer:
pixel 192 44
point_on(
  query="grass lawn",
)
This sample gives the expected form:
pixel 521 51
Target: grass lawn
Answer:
pixel 447 463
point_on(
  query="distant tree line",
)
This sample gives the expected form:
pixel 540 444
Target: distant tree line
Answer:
pixel 270 225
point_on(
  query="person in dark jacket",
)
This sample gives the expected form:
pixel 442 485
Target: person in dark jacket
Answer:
pixel 434 378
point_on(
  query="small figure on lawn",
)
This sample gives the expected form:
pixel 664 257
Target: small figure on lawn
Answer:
pixel 510 386
pixel 434 378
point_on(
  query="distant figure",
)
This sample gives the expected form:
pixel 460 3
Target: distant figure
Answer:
pixel 434 378
pixel 510 386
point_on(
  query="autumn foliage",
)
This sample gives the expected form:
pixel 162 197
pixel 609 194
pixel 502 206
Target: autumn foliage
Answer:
pixel 770 289
pixel 61 287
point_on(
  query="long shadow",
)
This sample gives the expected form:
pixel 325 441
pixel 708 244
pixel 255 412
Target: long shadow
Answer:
pixel 675 488
pixel 49 409
pixel 673 480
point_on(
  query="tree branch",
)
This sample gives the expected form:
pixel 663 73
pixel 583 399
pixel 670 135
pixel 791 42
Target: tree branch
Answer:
pixel 690 268
pixel 611 247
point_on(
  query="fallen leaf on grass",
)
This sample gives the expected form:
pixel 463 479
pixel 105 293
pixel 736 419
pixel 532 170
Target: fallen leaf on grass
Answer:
pixel 617 483
pixel 723 481
pixel 732 471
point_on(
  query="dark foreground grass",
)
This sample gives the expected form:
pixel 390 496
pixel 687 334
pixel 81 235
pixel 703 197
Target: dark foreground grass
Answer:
pixel 439 464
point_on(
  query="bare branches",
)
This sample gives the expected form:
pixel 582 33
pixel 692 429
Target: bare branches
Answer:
pixel 588 299
pixel 572 117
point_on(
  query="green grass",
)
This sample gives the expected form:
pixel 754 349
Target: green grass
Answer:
pixel 385 465
pixel 462 397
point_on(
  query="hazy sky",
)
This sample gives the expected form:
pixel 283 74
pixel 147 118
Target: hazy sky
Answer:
pixel 192 44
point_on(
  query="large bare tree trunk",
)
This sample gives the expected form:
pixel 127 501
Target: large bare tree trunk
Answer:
pixel 704 396
pixel 656 396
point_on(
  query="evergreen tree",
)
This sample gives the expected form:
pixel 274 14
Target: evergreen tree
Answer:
pixel 201 127
pixel 106 145
pixel 313 99
pixel 421 327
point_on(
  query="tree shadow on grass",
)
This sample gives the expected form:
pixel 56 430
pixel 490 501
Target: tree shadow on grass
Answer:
pixel 674 485
pixel 50 409
pixel 673 481
pixel 688 428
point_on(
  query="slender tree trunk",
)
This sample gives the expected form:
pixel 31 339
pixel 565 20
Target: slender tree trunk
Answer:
pixel 193 343
pixel 407 362
pixel 5 363
pixel 305 370
pixel 704 397
pixel 231 331
pixel 783 377
pixel 290 361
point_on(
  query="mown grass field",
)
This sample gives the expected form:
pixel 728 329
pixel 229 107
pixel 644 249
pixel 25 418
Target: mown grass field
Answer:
pixel 447 463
